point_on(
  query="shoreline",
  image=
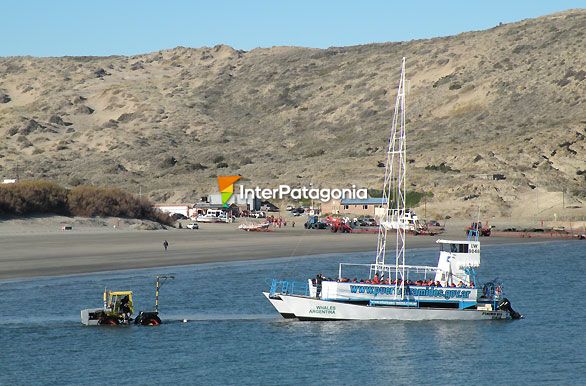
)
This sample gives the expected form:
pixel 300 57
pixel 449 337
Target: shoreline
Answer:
pixel 243 261
pixel 29 256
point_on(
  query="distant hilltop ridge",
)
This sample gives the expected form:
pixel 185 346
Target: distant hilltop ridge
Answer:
pixel 496 119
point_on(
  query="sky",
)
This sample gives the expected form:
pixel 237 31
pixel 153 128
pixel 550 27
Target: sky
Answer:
pixel 126 27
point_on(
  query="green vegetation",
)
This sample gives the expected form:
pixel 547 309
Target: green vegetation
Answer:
pixel 442 167
pixel 39 197
pixel 375 192
pixel 217 159
pixel 412 199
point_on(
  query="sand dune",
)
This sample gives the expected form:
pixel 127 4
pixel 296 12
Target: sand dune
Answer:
pixel 508 100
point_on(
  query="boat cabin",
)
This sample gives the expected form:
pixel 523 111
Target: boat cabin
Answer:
pixel 457 262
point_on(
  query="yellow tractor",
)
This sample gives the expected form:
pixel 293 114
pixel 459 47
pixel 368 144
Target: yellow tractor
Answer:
pixel 118 309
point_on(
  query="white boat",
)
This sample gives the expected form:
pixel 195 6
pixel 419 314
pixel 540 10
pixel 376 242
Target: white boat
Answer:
pixel 447 291
pixel 408 220
pixel 214 216
pixel 262 227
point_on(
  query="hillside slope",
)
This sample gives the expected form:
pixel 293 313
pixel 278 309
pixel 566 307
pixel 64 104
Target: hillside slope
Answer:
pixel 509 100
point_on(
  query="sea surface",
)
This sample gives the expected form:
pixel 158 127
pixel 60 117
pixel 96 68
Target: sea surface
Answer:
pixel 234 336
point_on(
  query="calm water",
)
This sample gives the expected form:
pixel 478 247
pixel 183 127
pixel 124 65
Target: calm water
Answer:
pixel 234 336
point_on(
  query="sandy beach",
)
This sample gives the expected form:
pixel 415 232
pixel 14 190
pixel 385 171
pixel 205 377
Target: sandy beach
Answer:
pixel 46 251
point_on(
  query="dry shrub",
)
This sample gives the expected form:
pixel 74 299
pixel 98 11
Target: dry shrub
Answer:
pixel 91 201
pixel 28 197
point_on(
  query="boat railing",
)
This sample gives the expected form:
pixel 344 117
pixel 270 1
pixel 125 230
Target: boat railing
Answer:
pixel 493 290
pixel 391 268
pixel 289 287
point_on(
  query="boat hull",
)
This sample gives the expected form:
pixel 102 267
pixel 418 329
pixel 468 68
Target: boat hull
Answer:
pixel 306 308
pixel 279 305
pixel 211 220
pixel 254 227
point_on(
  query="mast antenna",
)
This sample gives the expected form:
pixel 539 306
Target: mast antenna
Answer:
pixel 394 189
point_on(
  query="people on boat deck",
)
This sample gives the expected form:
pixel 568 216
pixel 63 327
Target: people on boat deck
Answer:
pixel 319 278
pixel 379 280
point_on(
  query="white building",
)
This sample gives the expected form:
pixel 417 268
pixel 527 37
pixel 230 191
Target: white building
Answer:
pixel 183 209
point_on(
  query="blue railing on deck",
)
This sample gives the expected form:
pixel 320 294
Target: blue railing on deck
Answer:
pixel 289 287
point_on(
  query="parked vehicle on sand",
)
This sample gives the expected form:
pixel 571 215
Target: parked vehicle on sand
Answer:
pixel 477 227
pixel 314 223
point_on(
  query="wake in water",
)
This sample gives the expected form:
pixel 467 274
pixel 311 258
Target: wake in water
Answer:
pixel 53 322
pixel 217 317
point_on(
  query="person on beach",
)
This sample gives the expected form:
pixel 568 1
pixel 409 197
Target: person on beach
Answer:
pixel 165 244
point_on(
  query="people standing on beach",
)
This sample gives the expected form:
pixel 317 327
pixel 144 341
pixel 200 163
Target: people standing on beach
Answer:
pixel 165 244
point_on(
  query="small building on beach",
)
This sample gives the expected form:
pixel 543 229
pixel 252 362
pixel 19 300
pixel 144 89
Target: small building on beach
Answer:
pixel 371 206
pixel 201 208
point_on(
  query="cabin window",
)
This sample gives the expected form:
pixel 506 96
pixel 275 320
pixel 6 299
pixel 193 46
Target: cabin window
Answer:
pixel 459 248
pixel 455 248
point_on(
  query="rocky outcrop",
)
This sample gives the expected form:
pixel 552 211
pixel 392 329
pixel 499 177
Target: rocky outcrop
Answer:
pixel 4 97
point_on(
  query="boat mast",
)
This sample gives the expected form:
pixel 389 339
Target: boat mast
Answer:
pixel 394 189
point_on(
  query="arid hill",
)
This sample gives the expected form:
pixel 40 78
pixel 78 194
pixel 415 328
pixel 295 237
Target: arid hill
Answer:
pixel 509 101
